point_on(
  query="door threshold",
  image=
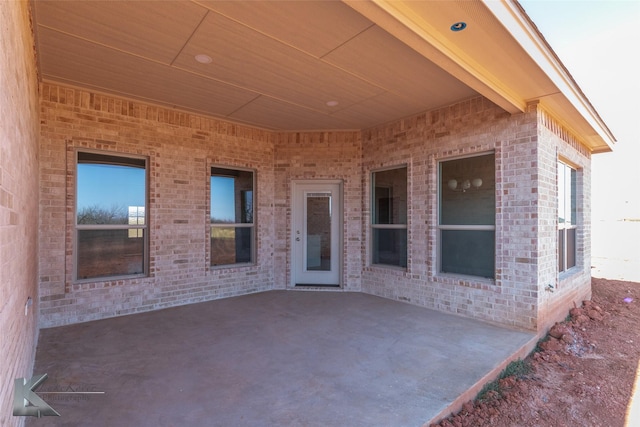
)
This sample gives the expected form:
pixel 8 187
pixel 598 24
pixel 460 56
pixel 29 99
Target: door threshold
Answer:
pixel 315 285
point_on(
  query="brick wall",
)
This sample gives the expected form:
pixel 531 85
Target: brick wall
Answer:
pixel 319 155
pixel 181 148
pixel 18 202
pixel 526 212
pixel 573 285
pixel 472 127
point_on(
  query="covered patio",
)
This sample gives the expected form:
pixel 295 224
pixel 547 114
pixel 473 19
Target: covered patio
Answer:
pixel 272 359
pixel 443 150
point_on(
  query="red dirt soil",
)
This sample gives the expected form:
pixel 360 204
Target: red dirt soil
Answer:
pixel 581 374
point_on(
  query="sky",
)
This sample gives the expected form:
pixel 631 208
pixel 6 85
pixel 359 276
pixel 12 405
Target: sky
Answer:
pixel 124 187
pixel 223 206
pixel 599 43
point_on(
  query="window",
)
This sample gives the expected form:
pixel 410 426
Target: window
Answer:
pixel 566 217
pixel 389 217
pixel 111 216
pixel 232 219
pixel 467 216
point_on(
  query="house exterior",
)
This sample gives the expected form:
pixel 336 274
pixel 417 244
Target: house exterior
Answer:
pixel 479 206
pixel 523 155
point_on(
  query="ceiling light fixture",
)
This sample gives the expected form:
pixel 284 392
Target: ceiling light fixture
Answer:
pixel 332 103
pixel 466 184
pixel 458 26
pixel 203 59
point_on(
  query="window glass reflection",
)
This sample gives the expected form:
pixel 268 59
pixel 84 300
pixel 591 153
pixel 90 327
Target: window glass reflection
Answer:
pixel 389 200
pixel 232 216
pixel 468 191
pixel 105 193
pixel 111 230
pixel 103 253
pixel 467 216
pixel 390 196
pixel 222 200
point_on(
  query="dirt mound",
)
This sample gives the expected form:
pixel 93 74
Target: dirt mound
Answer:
pixel 581 374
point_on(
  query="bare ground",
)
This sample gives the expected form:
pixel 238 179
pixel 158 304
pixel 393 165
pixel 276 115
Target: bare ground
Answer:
pixel 581 374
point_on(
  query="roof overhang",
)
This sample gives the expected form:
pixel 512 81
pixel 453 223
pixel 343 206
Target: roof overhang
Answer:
pixel 312 65
pixel 481 62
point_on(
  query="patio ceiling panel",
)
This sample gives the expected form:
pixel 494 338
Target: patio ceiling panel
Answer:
pixel 379 109
pixel 272 113
pixel 314 27
pixel 295 56
pixel 400 70
pixel 137 27
pixel 109 70
pixel 246 58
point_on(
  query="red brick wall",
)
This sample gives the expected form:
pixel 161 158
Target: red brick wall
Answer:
pixel 181 149
pixel 320 155
pixel 18 202
pixel 526 148
pixel 574 285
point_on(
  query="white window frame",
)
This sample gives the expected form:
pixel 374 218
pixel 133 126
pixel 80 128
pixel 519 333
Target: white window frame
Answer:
pixel 565 226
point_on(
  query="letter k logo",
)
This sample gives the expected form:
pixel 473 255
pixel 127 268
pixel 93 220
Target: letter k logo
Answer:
pixel 24 395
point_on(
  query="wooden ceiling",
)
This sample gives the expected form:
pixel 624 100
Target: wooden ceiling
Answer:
pixel 274 65
pixel 281 65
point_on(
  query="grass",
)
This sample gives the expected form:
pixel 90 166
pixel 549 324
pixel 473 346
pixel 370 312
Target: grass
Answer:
pixel 518 368
pixel 538 347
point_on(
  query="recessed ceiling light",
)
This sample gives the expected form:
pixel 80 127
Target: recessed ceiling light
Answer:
pixel 332 103
pixel 459 26
pixel 203 59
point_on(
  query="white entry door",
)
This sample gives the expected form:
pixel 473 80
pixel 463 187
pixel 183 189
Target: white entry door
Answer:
pixel 316 239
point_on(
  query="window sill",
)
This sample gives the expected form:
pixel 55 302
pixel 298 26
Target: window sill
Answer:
pixel 109 278
pixel 386 267
pixel 232 266
pixel 566 274
pixel 464 280
pixel 100 282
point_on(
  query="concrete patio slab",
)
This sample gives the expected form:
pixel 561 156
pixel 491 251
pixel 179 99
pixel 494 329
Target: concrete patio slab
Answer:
pixel 279 358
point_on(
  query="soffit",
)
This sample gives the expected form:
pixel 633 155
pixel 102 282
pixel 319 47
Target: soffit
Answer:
pixel 501 54
pixel 276 64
